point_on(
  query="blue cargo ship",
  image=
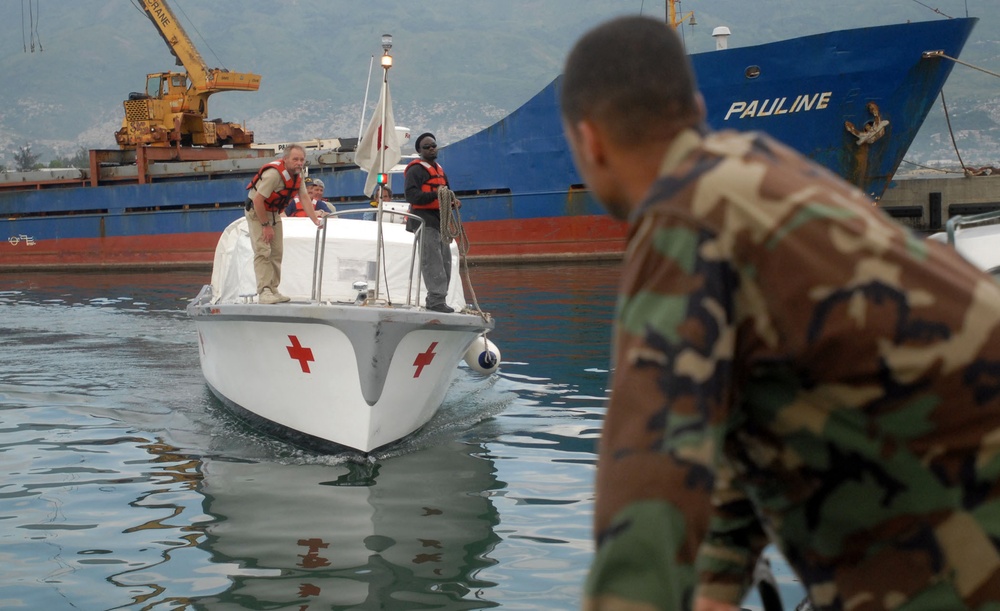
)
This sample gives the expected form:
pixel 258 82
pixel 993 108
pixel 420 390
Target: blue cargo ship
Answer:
pixel 853 100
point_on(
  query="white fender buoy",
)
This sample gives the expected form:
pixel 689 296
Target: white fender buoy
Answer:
pixel 483 356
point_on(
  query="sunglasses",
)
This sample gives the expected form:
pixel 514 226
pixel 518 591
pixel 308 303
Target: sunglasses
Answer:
pixel 428 147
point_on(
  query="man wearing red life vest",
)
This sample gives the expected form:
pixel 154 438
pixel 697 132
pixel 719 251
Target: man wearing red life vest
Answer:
pixel 423 177
pixel 270 190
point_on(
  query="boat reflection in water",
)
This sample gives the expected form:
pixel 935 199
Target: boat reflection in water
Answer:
pixel 392 534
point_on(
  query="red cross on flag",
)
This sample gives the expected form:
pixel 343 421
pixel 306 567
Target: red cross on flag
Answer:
pixel 379 148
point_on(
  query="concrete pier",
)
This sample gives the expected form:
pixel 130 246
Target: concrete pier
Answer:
pixel 926 203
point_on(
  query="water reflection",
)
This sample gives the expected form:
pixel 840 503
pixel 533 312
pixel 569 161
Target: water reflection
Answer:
pixel 550 319
pixel 82 505
pixel 554 328
pixel 392 534
pixel 127 485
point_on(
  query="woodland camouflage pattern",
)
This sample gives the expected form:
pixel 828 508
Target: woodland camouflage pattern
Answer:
pixel 792 366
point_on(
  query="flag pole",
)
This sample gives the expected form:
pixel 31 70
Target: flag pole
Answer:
pixel 386 63
pixel 364 104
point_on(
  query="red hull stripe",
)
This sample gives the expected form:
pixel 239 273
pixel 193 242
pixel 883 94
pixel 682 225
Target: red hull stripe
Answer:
pixel 571 235
pixel 526 239
pixel 178 249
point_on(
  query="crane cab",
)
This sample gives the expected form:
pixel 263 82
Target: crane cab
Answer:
pixel 173 88
pixel 172 112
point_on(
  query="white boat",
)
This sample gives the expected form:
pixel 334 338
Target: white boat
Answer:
pixel 975 237
pixel 351 360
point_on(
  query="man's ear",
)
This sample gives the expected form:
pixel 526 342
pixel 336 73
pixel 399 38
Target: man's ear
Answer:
pixel 699 101
pixel 592 142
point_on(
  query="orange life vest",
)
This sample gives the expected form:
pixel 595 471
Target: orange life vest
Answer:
pixel 437 179
pixel 319 204
pixel 277 200
pixel 299 210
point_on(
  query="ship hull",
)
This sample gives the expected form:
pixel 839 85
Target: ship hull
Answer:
pixel 851 100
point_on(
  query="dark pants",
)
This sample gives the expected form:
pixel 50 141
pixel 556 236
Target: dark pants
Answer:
pixel 435 266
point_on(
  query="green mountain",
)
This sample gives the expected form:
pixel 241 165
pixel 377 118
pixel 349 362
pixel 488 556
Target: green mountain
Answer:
pixel 459 64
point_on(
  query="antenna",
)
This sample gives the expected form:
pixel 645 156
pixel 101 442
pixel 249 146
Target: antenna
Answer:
pixel 364 105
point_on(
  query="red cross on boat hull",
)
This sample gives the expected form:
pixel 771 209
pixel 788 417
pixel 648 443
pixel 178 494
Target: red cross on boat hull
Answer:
pixel 299 353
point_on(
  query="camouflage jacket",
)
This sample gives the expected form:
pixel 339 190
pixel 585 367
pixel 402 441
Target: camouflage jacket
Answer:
pixel 791 366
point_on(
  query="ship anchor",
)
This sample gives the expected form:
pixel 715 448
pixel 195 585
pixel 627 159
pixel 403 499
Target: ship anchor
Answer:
pixel 872 130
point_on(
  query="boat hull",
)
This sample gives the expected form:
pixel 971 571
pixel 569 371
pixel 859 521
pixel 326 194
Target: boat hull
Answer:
pixel 852 100
pixel 360 377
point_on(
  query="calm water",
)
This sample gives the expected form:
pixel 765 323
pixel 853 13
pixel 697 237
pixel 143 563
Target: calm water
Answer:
pixel 126 484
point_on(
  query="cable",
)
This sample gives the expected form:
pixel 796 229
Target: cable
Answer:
pixel 24 41
pixel 935 10
pixel 950 132
pixel 965 170
pixel 195 28
pixel 38 15
pixel 931 168
pixel 958 61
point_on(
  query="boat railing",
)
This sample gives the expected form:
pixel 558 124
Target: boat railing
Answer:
pixel 958 221
pixel 319 253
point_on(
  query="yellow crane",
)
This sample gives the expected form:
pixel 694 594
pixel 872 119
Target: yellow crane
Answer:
pixel 173 111
pixel 674 20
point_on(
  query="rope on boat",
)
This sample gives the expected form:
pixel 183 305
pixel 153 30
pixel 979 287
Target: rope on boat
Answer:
pixel 985 170
pixel 947 119
pixel 452 229
pixel 958 61
pixel 451 220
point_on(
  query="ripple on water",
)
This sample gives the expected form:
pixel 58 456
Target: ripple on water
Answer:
pixel 127 481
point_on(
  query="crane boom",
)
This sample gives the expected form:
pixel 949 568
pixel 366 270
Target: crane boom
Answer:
pixel 180 45
pixel 674 20
pixel 173 110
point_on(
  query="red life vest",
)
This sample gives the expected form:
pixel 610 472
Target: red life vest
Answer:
pixel 437 179
pixel 300 211
pixel 280 198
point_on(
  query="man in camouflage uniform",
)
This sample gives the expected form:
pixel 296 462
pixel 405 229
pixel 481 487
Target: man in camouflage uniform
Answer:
pixel 790 366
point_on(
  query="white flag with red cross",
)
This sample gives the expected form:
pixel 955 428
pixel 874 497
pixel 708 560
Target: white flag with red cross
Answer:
pixel 379 148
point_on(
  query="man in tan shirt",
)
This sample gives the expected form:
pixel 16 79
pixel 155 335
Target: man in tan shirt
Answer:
pixel 270 190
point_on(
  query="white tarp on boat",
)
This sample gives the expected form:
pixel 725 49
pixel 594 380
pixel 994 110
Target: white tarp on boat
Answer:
pixel 977 244
pixel 349 257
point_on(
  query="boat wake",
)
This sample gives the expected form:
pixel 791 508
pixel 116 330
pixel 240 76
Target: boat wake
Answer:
pixel 471 400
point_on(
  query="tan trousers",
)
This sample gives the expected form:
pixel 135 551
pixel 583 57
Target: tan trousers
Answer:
pixel 266 257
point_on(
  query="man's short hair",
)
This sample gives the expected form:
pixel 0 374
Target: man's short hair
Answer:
pixel 416 145
pixel 291 147
pixel 632 74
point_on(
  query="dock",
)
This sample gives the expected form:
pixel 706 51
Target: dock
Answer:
pixel 925 203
